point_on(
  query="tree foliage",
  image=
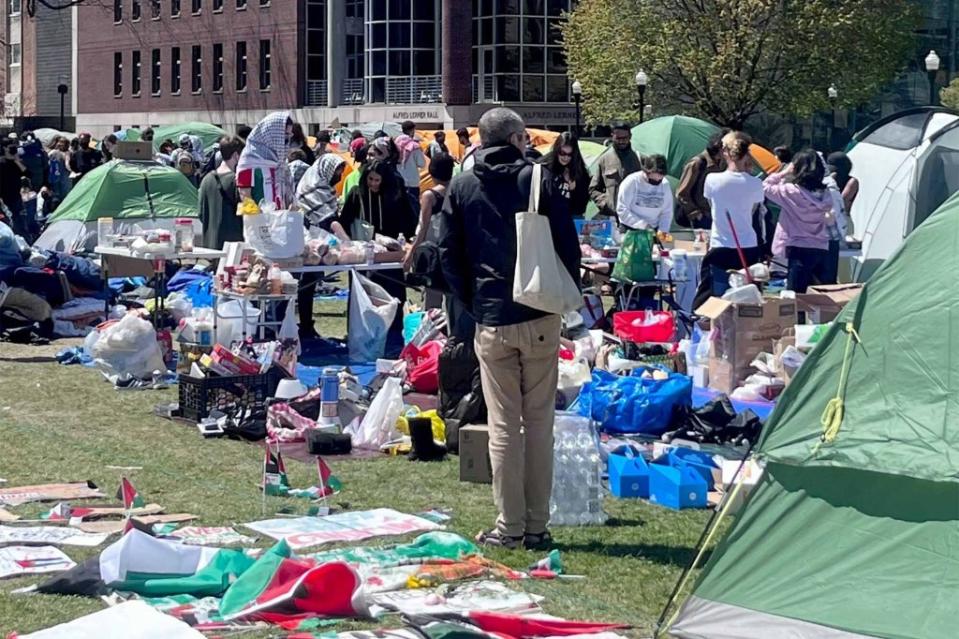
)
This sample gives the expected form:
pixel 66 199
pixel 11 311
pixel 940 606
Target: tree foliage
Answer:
pixel 949 95
pixel 727 60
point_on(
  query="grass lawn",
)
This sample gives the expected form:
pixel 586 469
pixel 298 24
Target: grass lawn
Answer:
pixel 64 423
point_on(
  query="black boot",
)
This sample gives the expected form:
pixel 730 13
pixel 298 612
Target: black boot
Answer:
pixel 424 447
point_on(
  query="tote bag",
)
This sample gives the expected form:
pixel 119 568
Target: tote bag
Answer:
pixel 540 279
pixel 635 260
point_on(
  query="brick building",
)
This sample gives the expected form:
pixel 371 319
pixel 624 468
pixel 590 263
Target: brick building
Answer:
pixel 437 62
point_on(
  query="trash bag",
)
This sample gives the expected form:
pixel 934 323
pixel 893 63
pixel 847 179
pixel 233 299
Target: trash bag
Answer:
pixel 371 313
pixel 379 424
pixel 423 366
pixel 129 347
pixel 634 404
pixel 460 390
pixel 635 260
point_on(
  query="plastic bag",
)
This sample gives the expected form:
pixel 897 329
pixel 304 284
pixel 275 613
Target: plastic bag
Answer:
pixel 379 424
pixel 371 312
pixel 275 234
pixel 129 347
pixel 423 366
pixel 634 404
pixel 231 315
pixel 635 260
pixel 179 305
pixel 289 330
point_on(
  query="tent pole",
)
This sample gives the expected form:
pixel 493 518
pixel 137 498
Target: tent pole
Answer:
pixel 146 187
pixel 700 547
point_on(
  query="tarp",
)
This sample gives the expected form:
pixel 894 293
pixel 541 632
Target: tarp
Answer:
pixel 858 536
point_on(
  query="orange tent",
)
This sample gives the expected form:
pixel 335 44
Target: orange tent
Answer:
pixel 765 159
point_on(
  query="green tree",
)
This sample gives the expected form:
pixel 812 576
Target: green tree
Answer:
pixel 949 95
pixel 727 60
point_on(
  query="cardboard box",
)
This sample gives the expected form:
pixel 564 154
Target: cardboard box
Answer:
pixel 474 454
pixel 740 333
pixel 628 476
pixel 822 304
pixel 779 347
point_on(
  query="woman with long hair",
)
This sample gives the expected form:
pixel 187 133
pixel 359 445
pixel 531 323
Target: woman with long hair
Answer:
pixel 569 173
pixel 805 203
pixel 735 198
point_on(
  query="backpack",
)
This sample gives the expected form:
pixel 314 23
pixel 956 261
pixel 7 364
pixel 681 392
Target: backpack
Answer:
pixel 426 269
pixel 185 164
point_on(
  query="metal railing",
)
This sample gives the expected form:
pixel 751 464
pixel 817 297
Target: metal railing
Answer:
pixel 316 93
pixel 488 86
pixel 417 89
pixel 353 91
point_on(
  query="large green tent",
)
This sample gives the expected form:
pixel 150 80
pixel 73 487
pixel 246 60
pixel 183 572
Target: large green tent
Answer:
pixel 208 133
pixel 678 137
pixel 857 535
pixel 144 193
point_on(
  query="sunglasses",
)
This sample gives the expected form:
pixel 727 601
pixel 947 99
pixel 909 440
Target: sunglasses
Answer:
pixel 564 154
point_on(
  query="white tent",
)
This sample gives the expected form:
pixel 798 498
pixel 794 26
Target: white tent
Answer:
pixel 907 165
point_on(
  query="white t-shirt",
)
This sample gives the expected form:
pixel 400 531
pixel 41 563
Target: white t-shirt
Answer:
pixel 641 205
pixel 738 194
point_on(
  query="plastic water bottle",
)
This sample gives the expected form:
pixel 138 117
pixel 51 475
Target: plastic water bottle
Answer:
pixel 577 490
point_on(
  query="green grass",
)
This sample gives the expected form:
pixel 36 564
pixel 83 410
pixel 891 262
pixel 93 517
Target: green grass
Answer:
pixel 64 423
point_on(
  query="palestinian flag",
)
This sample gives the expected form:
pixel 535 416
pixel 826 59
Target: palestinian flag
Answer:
pixel 129 496
pixel 153 568
pixel 275 481
pixel 504 624
pixel 329 485
pixel 282 588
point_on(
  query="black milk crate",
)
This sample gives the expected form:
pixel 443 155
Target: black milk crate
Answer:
pixel 200 396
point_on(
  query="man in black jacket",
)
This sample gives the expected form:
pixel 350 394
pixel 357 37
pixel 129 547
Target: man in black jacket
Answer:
pixel 517 346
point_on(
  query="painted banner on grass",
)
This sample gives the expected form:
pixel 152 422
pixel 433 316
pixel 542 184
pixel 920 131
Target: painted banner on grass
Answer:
pixel 16 561
pixel 303 532
pixel 57 535
pixel 212 536
pixel 47 492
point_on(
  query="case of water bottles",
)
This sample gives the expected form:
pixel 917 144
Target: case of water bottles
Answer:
pixel 577 488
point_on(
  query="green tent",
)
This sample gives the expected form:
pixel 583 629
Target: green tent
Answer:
pixel 858 535
pixel 144 193
pixel 678 137
pixel 208 133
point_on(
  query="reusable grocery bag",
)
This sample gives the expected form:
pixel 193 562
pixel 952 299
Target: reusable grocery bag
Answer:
pixel 633 404
pixel 371 312
pixel 275 234
pixel 635 260
pixel 540 279
pixel 423 366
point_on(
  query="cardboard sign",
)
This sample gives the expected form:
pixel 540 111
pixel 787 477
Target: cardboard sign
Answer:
pixel 57 535
pixel 17 561
pixel 48 492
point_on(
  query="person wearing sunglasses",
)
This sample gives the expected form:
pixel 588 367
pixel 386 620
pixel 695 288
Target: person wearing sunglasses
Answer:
pixel 569 173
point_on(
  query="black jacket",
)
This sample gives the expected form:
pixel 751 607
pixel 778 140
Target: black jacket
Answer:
pixel 478 241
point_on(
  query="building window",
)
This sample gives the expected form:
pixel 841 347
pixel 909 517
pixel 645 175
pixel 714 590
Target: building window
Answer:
pixel 197 6
pixel 241 66
pixel 15 53
pixel 155 9
pixel 265 65
pixel 175 70
pixel 217 67
pixel 401 51
pixel 316 40
pixel 354 8
pixel 196 73
pixel 135 11
pixel 217 6
pixel 240 5
pixel 117 11
pixel 135 74
pixel 155 72
pixel 117 73
pixel 175 8
pixel 264 3
pixel 15 7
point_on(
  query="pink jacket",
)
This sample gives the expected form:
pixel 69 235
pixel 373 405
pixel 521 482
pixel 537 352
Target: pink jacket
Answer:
pixel 802 222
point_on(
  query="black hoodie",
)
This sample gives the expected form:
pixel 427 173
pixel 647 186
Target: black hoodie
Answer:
pixel 478 240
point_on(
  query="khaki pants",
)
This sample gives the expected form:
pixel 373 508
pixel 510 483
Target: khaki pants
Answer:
pixel 518 368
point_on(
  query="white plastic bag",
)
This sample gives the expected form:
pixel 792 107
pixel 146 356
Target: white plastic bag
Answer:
pixel 129 347
pixel 179 305
pixel 288 329
pixel 540 279
pixel 379 424
pixel 275 234
pixel 371 312
pixel 231 315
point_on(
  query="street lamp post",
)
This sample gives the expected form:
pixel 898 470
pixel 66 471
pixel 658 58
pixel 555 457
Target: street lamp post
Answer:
pixel 833 94
pixel 62 90
pixel 577 98
pixel 932 68
pixel 641 81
